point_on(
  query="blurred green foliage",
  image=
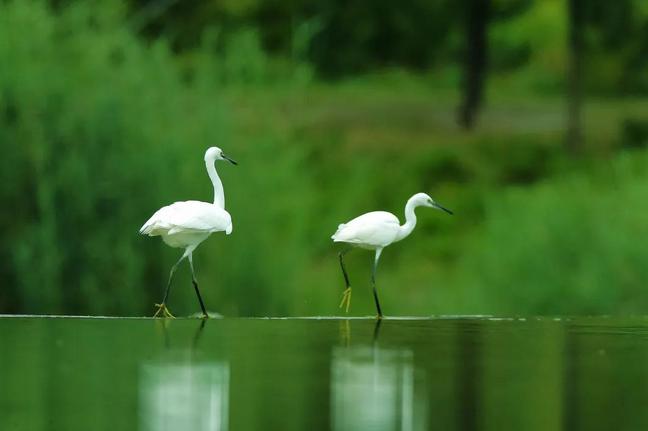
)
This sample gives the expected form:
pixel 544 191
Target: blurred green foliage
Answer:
pixel 85 130
pixel 365 35
pixel 106 110
pixel 567 246
pixel 98 130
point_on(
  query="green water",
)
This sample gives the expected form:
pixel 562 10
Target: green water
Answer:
pixel 308 374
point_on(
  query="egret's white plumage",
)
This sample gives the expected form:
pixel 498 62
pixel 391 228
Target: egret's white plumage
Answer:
pixel 187 224
pixel 371 230
pixel 180 223
pixel 376 230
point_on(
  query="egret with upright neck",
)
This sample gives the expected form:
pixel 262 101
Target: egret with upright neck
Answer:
pixel 187 224
pixel 375 231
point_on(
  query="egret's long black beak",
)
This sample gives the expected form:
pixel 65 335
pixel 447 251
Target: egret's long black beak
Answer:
pixel 230 160
pixel 443 208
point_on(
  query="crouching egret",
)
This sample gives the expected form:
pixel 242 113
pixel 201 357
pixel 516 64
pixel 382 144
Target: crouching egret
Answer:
pixel 187 224
pixel 375 231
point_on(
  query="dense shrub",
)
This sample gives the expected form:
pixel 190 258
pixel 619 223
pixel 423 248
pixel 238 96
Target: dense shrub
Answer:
pixel 97 131
pixel 570 246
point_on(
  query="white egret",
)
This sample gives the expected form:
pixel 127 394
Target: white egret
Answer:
pixel 375 231
pixel 187 224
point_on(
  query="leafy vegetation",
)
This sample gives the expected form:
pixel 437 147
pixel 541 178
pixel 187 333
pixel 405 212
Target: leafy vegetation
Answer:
pixel 101 126
pixel 567 246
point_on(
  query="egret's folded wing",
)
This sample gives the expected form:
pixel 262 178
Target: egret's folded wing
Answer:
pixel 374 228
pixel 188 216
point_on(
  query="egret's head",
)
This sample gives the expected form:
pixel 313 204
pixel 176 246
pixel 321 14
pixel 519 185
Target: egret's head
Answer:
pixel 214 153
pixel 424 199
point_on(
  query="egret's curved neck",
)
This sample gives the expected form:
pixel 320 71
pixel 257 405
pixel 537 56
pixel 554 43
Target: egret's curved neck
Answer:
pixel 219 194
pixel 410 220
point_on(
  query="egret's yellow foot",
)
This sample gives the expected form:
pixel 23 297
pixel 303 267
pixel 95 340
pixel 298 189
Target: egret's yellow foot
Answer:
pixel 162 309
pixel 346 299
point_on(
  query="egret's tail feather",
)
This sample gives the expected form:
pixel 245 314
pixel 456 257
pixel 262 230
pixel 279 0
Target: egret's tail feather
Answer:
pixel 340 227
pixel 152 229
pixel 145 230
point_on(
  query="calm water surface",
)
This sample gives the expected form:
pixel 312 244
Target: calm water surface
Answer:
pixel 308 374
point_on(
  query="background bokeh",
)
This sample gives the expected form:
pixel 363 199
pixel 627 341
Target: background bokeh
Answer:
pixel 528 118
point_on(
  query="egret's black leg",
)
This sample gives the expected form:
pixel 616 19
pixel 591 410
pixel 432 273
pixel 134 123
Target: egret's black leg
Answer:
pixel 346 295
pixel 195 285
pixel 346 276
pixel 162 308
pixel 373 283
pixel 375 293
pixel 173 270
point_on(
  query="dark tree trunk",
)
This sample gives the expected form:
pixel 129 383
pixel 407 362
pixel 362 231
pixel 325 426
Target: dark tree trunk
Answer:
pixel 474 74
pixel 574 139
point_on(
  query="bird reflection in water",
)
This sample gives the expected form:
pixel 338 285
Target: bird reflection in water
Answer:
pixel 178 391
pixel 377 388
